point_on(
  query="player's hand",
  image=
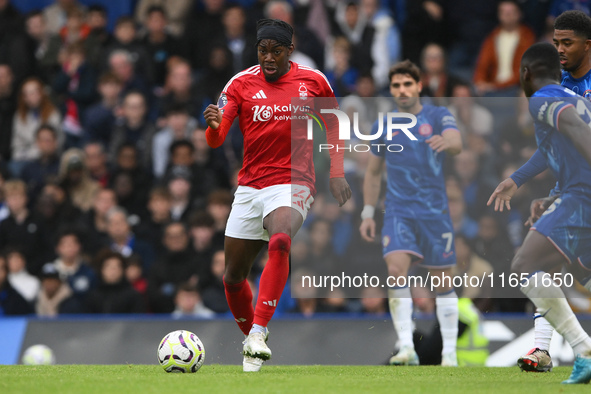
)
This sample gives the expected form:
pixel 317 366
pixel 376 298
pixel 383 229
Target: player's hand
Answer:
pixel 339 187
pixel 213 116
pixel 503 194
pixel 368 229
pixel 537 209
pixel 438 143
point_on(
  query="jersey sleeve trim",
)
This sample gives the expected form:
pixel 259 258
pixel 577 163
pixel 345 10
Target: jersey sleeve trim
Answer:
pixel 559 112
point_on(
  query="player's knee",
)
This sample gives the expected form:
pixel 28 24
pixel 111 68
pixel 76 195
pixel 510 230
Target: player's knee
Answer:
pixel 396 271
pixel 234 276
pixel 521 263
pixel 280 242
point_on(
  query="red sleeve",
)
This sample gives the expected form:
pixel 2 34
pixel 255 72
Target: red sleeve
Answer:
pixel 215 137
pixel 332 137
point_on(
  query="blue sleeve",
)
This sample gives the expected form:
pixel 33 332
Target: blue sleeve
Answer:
pixel 376 150
pixel 534 166
pixel 546 109
pixel 447 120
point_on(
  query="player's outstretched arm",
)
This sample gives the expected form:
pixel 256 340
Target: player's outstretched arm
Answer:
pixel 503 194
pixel 571 124
pixel 371 192
pixel 449 141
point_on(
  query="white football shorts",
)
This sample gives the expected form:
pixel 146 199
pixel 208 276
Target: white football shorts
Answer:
pixel 252 205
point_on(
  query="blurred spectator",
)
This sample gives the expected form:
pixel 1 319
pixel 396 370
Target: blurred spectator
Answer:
pixel 113 293
pixel 96 162
pixel 181 91
pixel 129 196
pixel 350 23
pixel 437 82
pixel 179 125
pixel 75 29
pixel 305 37
pixel 427 26
pixel 134 128
pixel 218 71
pixel 34 108
pixel 471 265
pixel 75 180
pixel 99 37
pixel 174 267
pixel 75 86
pixel 386 47
pixel 176 10
pixel 219 204
pixel 342 76
pixel 121 63
pixel 22 229
pixel 209 161
pixel 159 44
pixel 492 244
pixel 56 14
pixel 55 297
pixel 125 40
pixel 11 302
pixel 202 27
pixel 202 233
pixel 463 225
pixel 497 67
pixel 213 295
pixel 179 187
pixel 471 117
pixel 99 118
pixel 135 276
pixel 95 220
pixel 123 241
pixel 37 172
pixel 188 303
pixel 152 228
pixel 7 109
pixel 374 301
pixel 13 42
pixel 26 284
pixel 475 188
pixel 44 45
pixel 71 266
pixel 239 41
pixel 321 258
pixel 127 161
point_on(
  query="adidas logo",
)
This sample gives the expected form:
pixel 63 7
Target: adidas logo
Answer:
pixel 260 95
pixel 240 320
pixel 270 303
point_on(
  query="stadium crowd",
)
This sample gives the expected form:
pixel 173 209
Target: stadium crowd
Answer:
pixel 111 200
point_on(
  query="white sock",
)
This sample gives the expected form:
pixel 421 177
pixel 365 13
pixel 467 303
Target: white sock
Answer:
pixel 447 314
pixel 551 303
pixel 543 331
pixel 258 328
pixel 400 302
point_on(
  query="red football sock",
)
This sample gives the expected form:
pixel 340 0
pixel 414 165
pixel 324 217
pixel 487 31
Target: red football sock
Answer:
pixel 239 298
pixel 273 278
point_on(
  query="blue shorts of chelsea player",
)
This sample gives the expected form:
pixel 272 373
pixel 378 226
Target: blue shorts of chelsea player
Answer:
pixel 430 241
pixel 567 224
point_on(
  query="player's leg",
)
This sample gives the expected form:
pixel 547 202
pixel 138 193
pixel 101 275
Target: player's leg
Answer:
pixel 240 255
pixel 446 302
pixel 551 301
pixel 400 304
pixel 538 359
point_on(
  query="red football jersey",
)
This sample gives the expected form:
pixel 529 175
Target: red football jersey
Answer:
pixel 264 111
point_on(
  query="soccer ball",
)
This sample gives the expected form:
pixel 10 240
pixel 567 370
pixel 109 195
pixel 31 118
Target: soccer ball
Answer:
pixel 181 351
pixel 38 355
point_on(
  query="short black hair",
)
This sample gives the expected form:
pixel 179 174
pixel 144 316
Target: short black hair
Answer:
pixel 48 127
pixel 543 61
pixel 179 143
pixel 577 21
pixel 98 8
pixel 176 108
pixel 156 8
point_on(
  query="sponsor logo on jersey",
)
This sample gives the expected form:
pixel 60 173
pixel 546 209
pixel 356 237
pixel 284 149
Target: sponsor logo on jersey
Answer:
pixel 448 120
pixel 262 113
pixel 260 95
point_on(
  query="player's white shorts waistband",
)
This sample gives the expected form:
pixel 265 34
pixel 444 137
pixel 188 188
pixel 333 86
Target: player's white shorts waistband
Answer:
pixel 252 205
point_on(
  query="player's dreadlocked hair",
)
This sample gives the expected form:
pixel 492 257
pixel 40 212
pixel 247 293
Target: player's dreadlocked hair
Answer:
pixel 576 21
pixel 274 29
pixel 405 67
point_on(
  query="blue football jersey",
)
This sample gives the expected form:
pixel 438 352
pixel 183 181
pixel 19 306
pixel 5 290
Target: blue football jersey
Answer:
pixel 569 167
pixel 416 185
pixel 581 86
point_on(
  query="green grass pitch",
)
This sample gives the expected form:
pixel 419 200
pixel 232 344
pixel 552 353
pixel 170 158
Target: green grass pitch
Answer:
pixel 280 379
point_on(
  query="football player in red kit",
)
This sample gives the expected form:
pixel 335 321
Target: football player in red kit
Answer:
pixel 274 192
